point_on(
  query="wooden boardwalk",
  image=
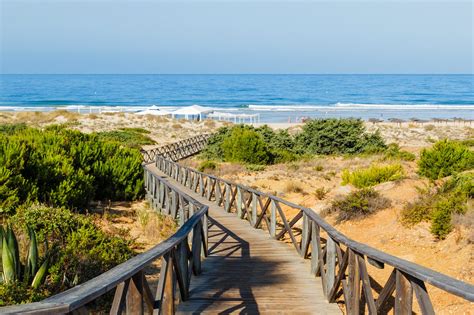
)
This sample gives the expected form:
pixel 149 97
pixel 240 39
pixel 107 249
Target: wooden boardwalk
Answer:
pixel 248 272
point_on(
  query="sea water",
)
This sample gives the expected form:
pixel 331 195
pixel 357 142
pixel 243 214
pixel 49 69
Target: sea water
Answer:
pixel 277 98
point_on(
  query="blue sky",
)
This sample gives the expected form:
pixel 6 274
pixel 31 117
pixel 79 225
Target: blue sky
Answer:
pixel 236 36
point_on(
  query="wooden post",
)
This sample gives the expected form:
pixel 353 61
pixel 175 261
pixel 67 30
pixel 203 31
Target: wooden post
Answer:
pixel 403 295
pixel 201 185
pixel 239 202
pixel 227 197
pixel 174 204
pixel 254 209
pixel 218 193
pixel 305 235
pixel 273 211
pixel 167 301
pixel 330 264
pixel 135 295
pixel 314 248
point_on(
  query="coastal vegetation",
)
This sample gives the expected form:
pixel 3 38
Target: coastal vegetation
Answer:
pixel 61 167
pixel 358 204
pixel 445 158
pixel 264 146
pixel 437 205
pixel 64 249
pixel 376 174
pixel 48 180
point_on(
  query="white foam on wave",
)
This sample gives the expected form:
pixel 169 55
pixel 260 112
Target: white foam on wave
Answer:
pixel 354 106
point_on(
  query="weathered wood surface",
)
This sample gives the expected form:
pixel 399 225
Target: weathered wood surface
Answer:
pixel 248 272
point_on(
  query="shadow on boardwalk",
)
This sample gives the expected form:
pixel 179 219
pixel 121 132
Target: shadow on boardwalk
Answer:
pixel 231 269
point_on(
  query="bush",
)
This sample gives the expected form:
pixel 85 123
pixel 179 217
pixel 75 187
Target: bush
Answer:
pixel 439 205
pixel 444 209
pixel 63 167
pixel 246 145
pixel 78 250
pixel 393 152
pixel 358 204
pixel 207 165
pixel 130 137
pixel 293 187
pixel 337 136
pixel 445 158
pixel 263 145
pixel 373 175
pixel 320 193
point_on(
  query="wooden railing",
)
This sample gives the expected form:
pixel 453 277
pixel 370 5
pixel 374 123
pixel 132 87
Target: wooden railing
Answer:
pixel 342 263
pixel 180 258
pixel 177 150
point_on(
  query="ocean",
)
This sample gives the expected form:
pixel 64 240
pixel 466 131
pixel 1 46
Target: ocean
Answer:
pixel 277 98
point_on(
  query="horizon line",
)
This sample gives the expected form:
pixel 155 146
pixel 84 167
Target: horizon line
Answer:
pixel 349 73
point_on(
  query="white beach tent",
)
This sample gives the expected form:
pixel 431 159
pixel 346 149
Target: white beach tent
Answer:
pixel 193 110
pixel 154 110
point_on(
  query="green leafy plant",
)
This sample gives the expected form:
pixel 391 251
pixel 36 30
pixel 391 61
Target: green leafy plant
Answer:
pixel 444 209
pixel 445 158
pixel 358 204
pixel 439 204
pixel 393 152
pixel 34 271
pixel 63 167
pixel 264 146
pixel 246 145
pixel 130 137
pixel 373 175
pixel 207 165
pixel 78 250
pixel 337 136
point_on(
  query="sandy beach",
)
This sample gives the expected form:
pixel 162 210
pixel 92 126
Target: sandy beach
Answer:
pixel 166 130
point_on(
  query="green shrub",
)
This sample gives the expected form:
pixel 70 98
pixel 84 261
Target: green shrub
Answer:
pixel 417 211
pixel 136 130
pixel 444 209
pixel 207 165
pixel 393 152
pixel 246 145
pixel 263 145
pixel 445 158
pixel 52 224
pixel 318 168
pixel 440 204
pixel 358 204
pixel 213 149
pixel 373 175
pixel 320 193
pixel 129 137
pixel 63 167
pixel 78 250
pixel 337 136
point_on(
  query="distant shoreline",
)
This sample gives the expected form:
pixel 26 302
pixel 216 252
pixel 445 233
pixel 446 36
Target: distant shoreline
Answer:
pixel 283 114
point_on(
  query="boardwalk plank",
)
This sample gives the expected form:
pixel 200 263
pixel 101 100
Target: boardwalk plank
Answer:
pixel 249 272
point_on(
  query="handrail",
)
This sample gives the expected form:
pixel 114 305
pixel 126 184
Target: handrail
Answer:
pixel 177 150
pixel 341 269
pixel 337 259
pixel 179 260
